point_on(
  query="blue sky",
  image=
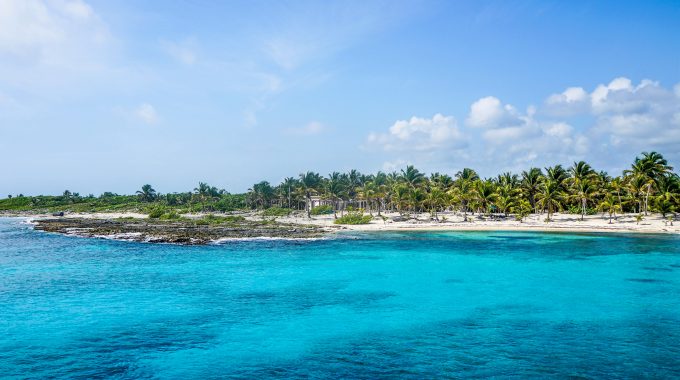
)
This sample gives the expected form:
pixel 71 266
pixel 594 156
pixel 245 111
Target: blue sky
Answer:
pixel 108 95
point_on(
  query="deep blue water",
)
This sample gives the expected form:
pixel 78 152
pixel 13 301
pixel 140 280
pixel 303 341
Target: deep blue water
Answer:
pixel 409 305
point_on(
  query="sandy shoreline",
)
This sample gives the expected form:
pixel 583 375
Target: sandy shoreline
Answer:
pixel 653 224
pixel 449 221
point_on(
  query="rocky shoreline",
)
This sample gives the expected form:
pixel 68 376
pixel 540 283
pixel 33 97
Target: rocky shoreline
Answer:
pixel 185 232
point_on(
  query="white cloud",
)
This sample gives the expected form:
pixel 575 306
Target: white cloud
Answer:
pixel 489 112
pixel 420 134
pixel 57 32
pixel 571 101
pixel 558 129
pixel 638 117
pixel 513 140
pixel 620 96
pixel 619 118
pixel 312 128
pixel 147 113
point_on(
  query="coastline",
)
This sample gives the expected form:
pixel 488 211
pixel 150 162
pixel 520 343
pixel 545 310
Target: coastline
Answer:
pixel 324 225
pixel 651 224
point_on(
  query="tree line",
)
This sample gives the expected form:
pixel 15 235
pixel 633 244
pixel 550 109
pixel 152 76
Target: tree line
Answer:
pixel 649 185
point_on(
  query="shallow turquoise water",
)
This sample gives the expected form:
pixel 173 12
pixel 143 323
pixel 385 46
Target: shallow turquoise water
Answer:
pixel 410 305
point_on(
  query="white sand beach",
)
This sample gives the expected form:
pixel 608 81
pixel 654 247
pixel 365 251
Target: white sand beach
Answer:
pixel 449 221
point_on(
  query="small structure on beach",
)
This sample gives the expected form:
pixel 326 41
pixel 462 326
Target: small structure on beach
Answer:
pixel 316 201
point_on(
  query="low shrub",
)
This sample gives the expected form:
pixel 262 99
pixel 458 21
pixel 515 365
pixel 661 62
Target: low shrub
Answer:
pixel 156 212
pixel 211 219
pixel 277 211
pixel 322 210
pixel 354 218
pixel 171 215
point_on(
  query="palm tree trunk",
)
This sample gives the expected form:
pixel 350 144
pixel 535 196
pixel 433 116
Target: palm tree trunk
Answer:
pixel 649 187
pixel 583 208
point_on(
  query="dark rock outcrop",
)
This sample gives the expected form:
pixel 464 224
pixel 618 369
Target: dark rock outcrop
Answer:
pixel 179 232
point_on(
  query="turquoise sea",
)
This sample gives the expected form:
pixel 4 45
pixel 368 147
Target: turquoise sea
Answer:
pixel 379 305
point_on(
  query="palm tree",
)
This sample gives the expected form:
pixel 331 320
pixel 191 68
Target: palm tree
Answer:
pixel 288 186
pixel 635 189
pixel 669 193
pixel 412 176
pixel 617 185
pixel 558 175
pixel 463 192
pixel 467 174
pixel 310 183
pixel 651 166
pixel 669 187
pixel 334 188
pixel 436 198
pixel 416 197
pixel 147 194
pixel 530 184
pixel 205 192
pixel 584 191
pixel 485 192
pixel 400 197
pixel 354 181
pixel 381 189
pixel 609 204
pixel 522 209
pixel 443 181
pixel 664 206
pixel 505 198
pixel 550 196
pixel 580 172
pixel 262 193
pixel 507 179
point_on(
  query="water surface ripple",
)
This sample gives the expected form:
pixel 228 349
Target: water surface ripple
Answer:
pixel 379 305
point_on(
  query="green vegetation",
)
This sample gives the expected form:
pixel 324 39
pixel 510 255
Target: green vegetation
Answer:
pixel 157 212
pixel 146 200
pixel 277 211
pixel 649 185
pixel 354 217
pixel 214 220
pixel 322 210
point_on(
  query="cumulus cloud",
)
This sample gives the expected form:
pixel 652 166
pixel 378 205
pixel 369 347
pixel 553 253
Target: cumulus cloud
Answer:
pixel 619 118
pixel 637 116
pixel 147 113
pixel 513 139
pixel 489 112
pixel 420 134
pixel 572 101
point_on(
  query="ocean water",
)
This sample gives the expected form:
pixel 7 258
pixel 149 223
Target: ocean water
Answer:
pixel 380 305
